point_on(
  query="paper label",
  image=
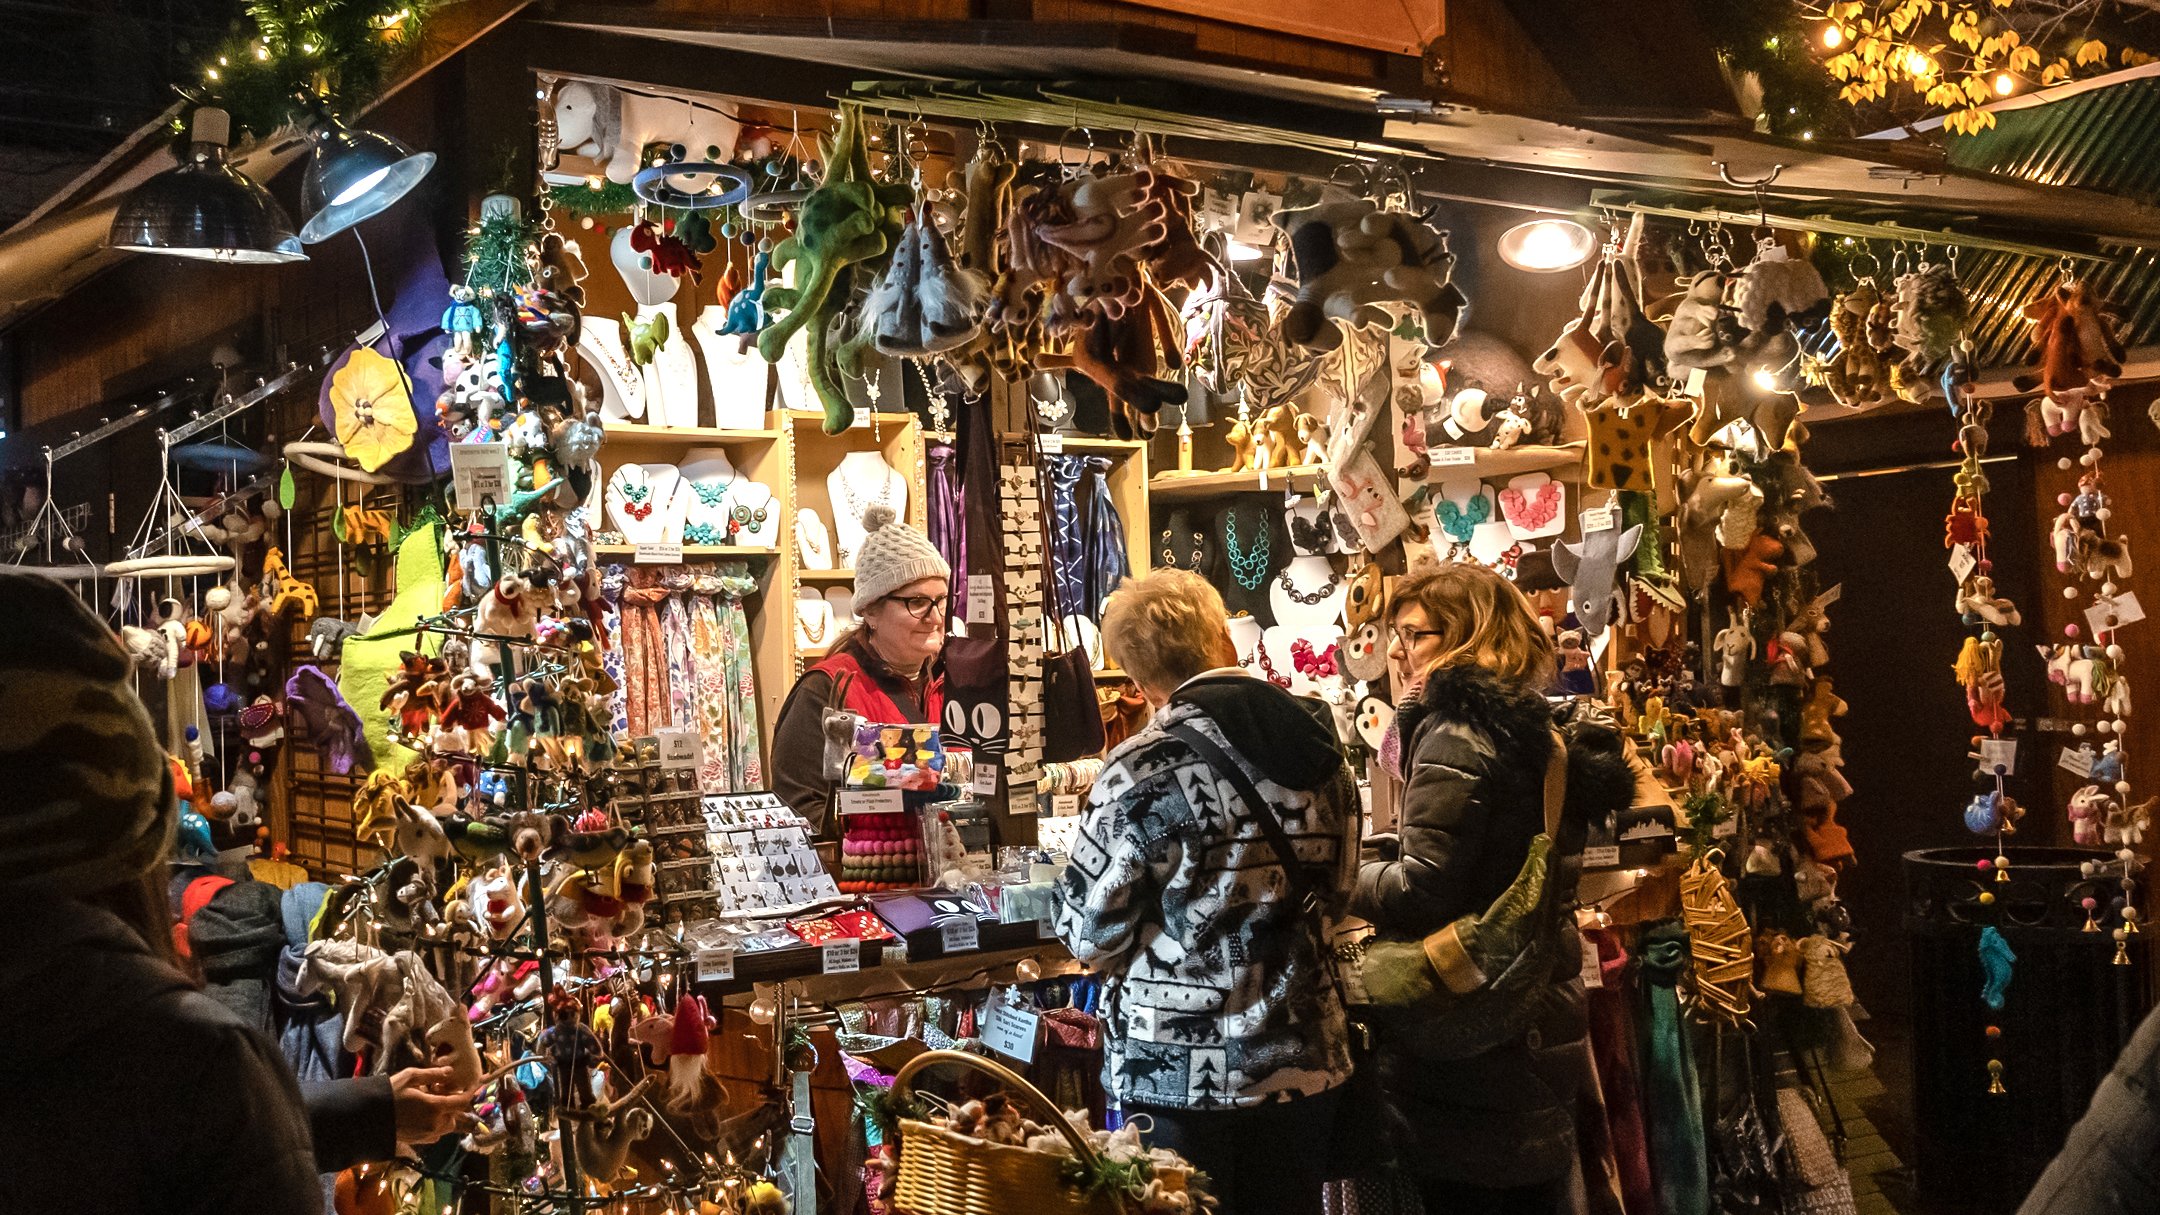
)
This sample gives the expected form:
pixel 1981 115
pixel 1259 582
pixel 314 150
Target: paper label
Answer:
pixel 1052 442
pixel 1064 805
pixel 1962 562
pixel 2108 614
pixel 1045 930
pixel 1607 857
pixel 871 801
pixel 1725 829
pixel 841 957
pixel 1999 753
pixel 480 470
pixel 985 784
pixel 715 965
pixel 1593 967
pixel 1011 1031
pixel 1697 380
pixel 960 934
pixel 1451 457
pixel 2077 761
pixel 1598 519
pixel 658 554
pixel 982 599
pixel 681 748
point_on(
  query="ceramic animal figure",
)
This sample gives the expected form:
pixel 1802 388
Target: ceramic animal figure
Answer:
pixel 1592 566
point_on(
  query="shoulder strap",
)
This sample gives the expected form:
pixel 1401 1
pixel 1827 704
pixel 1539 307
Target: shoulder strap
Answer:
pixel 1555 785
pixel 1301 886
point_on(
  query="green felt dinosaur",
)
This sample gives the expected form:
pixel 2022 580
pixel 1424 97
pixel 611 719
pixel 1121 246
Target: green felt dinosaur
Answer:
pixel 646 337
pixel 850 219
pixel 370 658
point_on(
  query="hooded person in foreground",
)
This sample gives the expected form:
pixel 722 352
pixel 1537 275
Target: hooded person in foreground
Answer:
pixel 1223 1020
pixel 122 1088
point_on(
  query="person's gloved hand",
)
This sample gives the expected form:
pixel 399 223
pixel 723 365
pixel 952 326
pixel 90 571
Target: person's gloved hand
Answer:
pixel 428 1105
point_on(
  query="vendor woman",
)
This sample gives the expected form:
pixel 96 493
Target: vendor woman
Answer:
pixel 885 667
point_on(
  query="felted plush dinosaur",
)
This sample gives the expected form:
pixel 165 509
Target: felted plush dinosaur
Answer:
pixel 668 253
pixel 746 308
pixel 646 336
pixel 849 219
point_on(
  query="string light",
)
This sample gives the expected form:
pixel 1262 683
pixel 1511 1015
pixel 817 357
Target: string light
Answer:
pixel 2005 84
pixel 1833 36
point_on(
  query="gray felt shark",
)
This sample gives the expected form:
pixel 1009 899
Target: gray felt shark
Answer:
pixel 1591 566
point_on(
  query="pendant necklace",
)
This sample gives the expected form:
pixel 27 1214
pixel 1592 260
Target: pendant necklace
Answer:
pixel 1250 566
pixel 1309 598
pixel 1267 666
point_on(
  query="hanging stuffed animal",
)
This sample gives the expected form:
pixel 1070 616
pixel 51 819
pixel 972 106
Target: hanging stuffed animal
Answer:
pixel 746 308
pixel 925 304
pixel 2079 351
pixel 1352 256
pixel 1928 318
pixel 1591 566
pixel 664 252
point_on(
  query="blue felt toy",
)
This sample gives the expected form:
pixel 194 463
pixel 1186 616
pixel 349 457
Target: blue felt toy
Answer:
pixel 746 312
pixel 1996 961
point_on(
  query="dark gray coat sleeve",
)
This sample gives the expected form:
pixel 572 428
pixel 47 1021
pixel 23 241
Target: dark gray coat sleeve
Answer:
pixel 351 1121
pixel 2110 1165
pixel 798 749
pixel 249 1149
pixel 1443 821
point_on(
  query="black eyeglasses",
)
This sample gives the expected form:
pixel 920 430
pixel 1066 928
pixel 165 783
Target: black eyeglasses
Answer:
pixel 1408 638
pixel 920 606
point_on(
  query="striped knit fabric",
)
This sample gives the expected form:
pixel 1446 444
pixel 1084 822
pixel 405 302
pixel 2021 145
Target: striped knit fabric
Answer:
pixel 89 801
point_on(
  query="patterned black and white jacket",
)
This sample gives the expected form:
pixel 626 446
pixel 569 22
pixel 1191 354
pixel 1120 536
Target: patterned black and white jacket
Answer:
pixel 1219 992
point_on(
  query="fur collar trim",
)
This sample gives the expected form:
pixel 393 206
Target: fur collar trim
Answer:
pixel 1515 717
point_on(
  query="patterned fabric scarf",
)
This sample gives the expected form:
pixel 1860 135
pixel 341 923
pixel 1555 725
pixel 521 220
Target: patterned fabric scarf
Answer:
pixel 1671 1093
pixel 1104 560
pixel 644 655
pixel 681 692
pixel 1067 558
pixel 948 519
pixel 611 657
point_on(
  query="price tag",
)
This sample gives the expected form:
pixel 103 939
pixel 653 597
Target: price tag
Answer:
pixel 1451 457
pixel 715 965
pixel 1593 967
pixel 1052 441
pixel 1697 380
pixel 871 801
pixel 1607 857
pixel 1598 519
pixel 982 599
pixel 1725 829
pixel 961 934
pixel 2107 614
pixel 1011 1031
pixel 1064 805
pixel 658 554
pixel 2077 761
pixel 681 748
pixel 841 957
pixel 1045 930
pixel 1962 562
pixel 985 780
pixel 480 470
pixel 1999 753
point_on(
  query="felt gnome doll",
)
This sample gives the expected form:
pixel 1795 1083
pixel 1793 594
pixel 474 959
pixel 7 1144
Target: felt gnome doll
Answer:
pixel 686 1052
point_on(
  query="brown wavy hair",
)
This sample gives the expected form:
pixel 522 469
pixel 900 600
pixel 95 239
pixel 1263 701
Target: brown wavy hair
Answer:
pixel 1483 619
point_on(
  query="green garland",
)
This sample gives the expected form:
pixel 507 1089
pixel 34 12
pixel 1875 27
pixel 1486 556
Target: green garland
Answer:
pixel 496 252
pixel 344 49
pixel 584 198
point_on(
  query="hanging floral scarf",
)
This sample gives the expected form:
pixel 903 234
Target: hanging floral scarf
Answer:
pixel 680 692
pixel 644 655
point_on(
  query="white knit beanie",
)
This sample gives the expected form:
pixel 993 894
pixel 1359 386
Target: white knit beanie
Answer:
pixel 891 556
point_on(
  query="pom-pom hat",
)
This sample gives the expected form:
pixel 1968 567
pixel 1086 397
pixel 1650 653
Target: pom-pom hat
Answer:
pixel 892 555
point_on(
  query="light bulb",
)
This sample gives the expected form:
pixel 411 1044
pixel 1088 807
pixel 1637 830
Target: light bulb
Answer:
pixel 1833 35
pixel 1027 970
pixel 2005 83
pixel 763 1010
pixel 1547 245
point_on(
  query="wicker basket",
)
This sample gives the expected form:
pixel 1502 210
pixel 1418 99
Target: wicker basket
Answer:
pixel 943 1172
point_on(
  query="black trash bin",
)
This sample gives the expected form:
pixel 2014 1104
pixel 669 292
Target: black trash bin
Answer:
pixel 2068 1013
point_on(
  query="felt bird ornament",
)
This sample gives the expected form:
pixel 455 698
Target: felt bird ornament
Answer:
pixel 849 219
pixel 1351 256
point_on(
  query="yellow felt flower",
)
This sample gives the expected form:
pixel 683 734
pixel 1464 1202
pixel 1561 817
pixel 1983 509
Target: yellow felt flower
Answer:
pixel 373 408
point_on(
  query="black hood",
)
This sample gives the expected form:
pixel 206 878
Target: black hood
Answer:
pixel 1520 721
pixel 1267 726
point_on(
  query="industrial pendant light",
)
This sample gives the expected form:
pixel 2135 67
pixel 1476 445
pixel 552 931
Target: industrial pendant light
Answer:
pixel 1547 245
pixel 352 176
pixel 206 208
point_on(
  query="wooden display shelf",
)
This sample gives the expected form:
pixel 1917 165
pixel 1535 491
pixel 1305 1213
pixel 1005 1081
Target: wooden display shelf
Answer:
pixel 747 552
pixel 825 575
pixel 1564 462
pixel 1089 445
pixel 1180 486
pixel 815 418
pixel 638 434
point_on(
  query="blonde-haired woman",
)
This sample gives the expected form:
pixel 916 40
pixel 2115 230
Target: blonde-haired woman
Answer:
pixel 1493 1132
pixel 1213 846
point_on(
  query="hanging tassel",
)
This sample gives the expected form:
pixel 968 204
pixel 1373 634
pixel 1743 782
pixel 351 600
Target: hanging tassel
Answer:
pixel 1995 1084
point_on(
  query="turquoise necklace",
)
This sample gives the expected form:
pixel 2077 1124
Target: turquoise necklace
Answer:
pixel 1249 567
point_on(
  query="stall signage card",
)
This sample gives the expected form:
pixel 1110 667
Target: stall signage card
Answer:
pixel 1011 1031
pixel 982 600
pixel 1597 519
pixel 681 749
pixel 1064 805
pixel 715 965
pixel 871 801
pixel 1053 442
pixel 1452 457
pixel 841 957
pixel 985 780
pixel 479 470
pixel 1606 857
pixel 960 934
pixel 669 553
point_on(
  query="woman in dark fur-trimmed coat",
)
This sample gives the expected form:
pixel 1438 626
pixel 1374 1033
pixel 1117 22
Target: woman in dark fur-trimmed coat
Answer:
pixel 1493 1132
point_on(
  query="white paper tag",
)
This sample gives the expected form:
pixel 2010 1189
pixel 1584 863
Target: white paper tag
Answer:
pixel 1451 457
pixel 480 470
pixel 715 965
pixel 840 957
pixel 1064 805
pixel 2077 761
pixel 1962 562
pixel 1725 829
pixel 1011 1031
pixel 1999 753
pixel 2108 614
pixel 681 748
pixel 1045 930
pixel 1593 967
pixel 658 554
pixel 1697 380
pixel 985 784
pixel 960 934
pixel 1052 441
pixel 1597 519
pixel 982 599
pixel 1607 857
pixel 871 801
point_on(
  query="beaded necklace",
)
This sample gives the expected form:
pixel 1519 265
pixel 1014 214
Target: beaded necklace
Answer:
pixel 1309 598
pixel 1249 567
